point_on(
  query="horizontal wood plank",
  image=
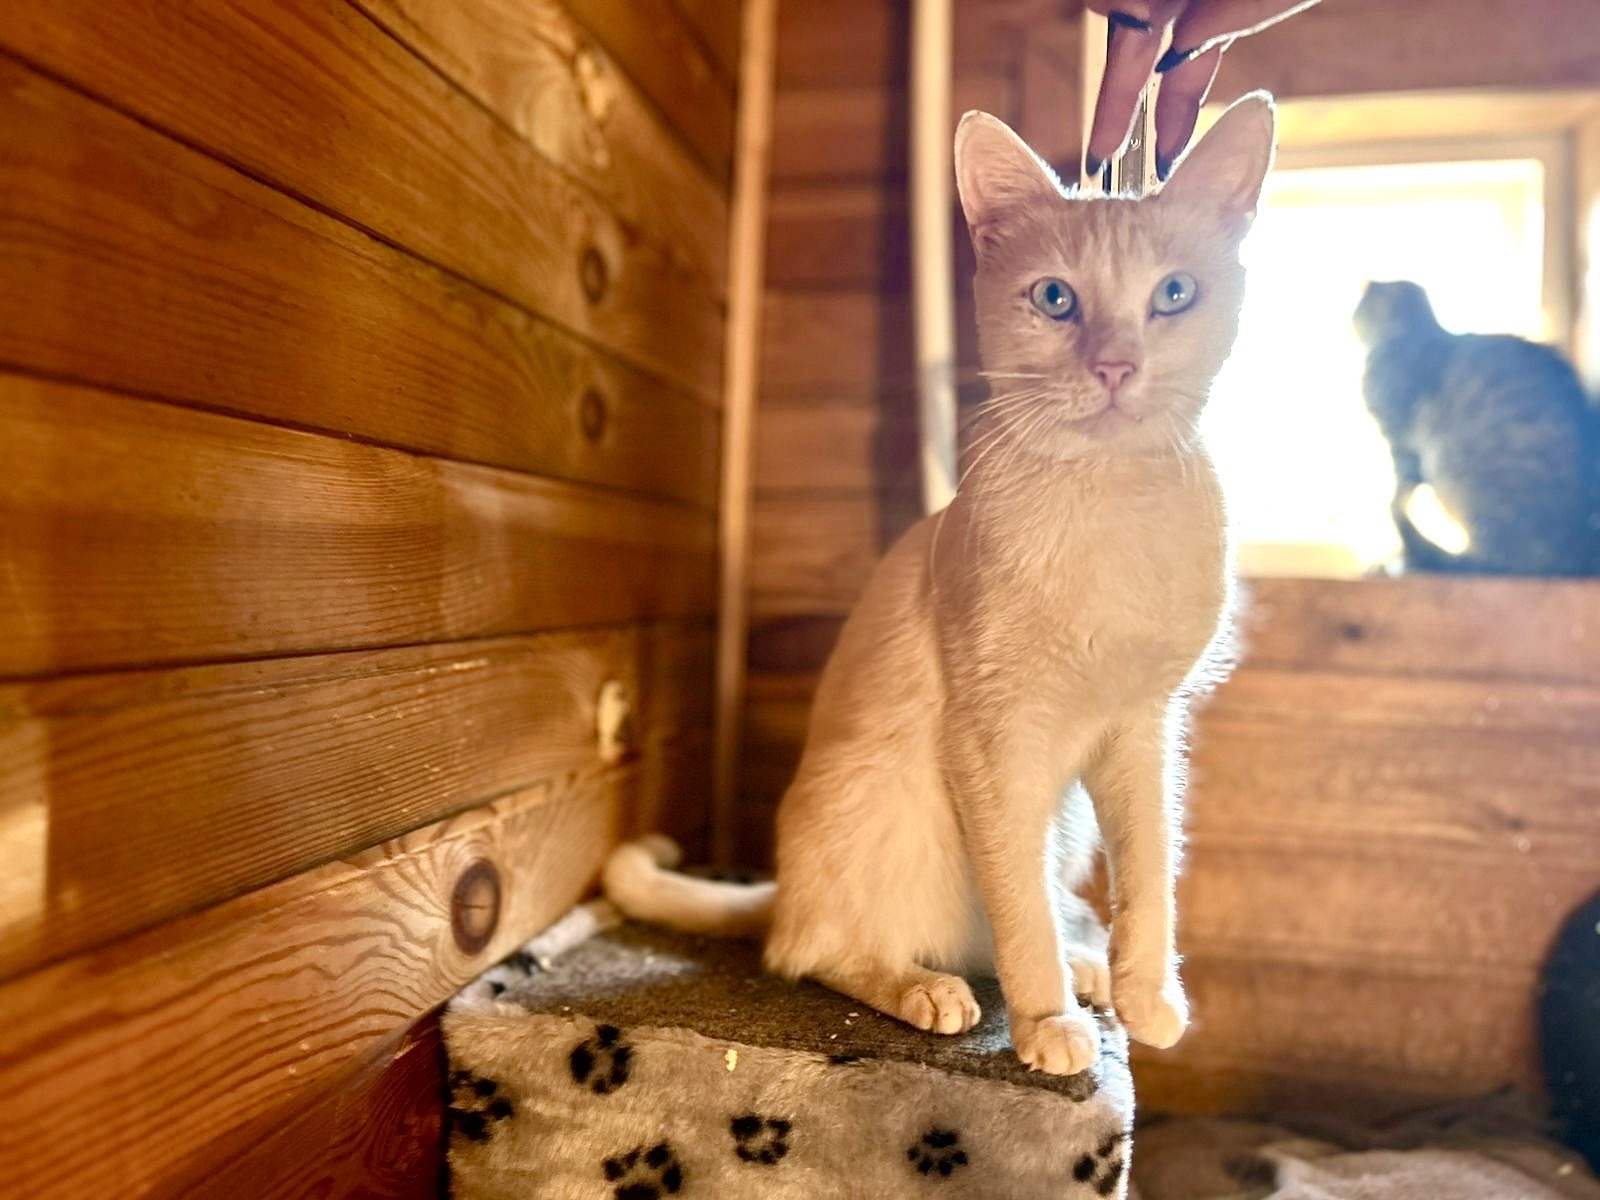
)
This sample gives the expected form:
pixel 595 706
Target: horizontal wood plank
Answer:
pixel 136 533
pixel 811 554
pixel 654 45
pixel 1379 904
pixel 268 999
pixel 1445 764
pixel 530 62
pixel 846 347
pixel 1257 1023
pixel 1427 625
pixel 165 791
pixel 318 101
pixel 835 346
pixel 377 1133
pixel 156 270
pixel 1330 50
pixel 830 448
pixel 792 645
pixel 859 132
pixel 849 237
pixel 831 42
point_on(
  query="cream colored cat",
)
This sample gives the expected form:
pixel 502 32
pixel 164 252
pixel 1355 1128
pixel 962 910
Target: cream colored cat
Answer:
pixel 1031 646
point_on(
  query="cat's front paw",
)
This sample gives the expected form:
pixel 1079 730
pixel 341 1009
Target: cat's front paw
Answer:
pixel 1060 1045
pixel 1156 1015
pixel 1091 977
pixel 940 1004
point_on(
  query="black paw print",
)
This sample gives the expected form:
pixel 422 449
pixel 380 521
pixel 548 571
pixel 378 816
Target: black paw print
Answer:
pixel 476 1105
pixel 761 1140
pixel 939 1150
pixel 643 1174
pixel 1103 1168
pixel 601 1063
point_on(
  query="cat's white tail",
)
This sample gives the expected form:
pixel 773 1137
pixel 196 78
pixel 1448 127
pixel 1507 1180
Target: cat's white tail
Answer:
pixel 640 881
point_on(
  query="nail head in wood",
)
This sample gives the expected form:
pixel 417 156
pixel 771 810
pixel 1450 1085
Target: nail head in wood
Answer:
pixel 593 275
pixel 475 906
pixel 592 414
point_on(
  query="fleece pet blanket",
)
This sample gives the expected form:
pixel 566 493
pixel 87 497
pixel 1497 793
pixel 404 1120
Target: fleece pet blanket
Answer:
pixel 638 1065
pixel 1485 1149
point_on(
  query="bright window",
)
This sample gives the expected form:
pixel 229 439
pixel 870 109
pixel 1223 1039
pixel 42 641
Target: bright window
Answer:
pixel 1307 473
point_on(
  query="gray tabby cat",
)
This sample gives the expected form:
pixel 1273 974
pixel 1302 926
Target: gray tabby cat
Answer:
pixel 1500 428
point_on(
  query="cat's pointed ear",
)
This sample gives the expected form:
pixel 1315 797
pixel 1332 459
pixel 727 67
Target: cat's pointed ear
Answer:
pixel 997 174
pixel 1224 172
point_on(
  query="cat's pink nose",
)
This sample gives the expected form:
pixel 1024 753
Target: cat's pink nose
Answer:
pixel 1113 374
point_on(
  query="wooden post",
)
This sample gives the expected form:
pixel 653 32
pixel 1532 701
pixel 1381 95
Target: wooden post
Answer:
pixel 747 254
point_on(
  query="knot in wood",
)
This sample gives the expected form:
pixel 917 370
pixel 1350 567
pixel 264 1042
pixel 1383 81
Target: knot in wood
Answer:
pixel 475 906
pixel 592 414
pixel 593 275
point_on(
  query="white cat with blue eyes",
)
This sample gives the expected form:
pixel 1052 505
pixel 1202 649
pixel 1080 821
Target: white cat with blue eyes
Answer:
pixel 1012 682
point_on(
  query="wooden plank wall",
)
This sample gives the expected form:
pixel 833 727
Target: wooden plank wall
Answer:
pixel 360 375
pixel 1394 804
pixel 835 464
pixel 1337 713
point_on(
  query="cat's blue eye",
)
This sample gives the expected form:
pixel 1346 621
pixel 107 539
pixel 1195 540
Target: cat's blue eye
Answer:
pixel 1054 298
pixel 1174 294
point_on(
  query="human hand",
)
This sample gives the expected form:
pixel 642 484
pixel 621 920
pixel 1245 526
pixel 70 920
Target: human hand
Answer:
pixel 1200 31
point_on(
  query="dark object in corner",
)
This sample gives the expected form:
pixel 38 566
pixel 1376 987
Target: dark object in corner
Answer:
pixel 1498 426
pixel 1569 1030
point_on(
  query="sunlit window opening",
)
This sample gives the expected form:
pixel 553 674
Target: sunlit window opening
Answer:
pixel 1308 474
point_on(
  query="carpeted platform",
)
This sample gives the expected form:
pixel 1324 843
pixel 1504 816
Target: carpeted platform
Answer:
pixel 639 1064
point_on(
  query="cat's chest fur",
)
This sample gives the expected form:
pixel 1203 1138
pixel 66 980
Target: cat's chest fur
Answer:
pixel 1111 579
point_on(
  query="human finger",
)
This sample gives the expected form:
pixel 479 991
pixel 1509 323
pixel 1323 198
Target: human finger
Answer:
pixel 1130 59
pixel 1183 91
pixel 1206 23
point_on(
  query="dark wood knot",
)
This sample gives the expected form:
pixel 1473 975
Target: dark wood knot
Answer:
pixel 593 275
pixel 475 906
pixel 592 415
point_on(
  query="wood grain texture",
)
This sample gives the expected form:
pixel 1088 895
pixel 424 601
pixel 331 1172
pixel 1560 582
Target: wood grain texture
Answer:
pixel 318 101
pixel 376 1132
pixel 717 24
pixel 846 347
pixel 165 791
pixel 810 554
pixel 136 533
pixel 830 448
pixel 824 43
pixel 850 236
pixel 1380 903
pixel 655 46
pixel 1260 1024
pixel 1428 626
pixel 1332 50
pixel 139 264
pixel 834 346
pixel 266 1000
pixel 858 132
pixel 534 66
pixel 793 645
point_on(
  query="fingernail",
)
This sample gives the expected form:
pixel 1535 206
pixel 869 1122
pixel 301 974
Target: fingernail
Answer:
pixel 1163 167
pixel 1092 165
pixel 1174 58
pixel 1121 20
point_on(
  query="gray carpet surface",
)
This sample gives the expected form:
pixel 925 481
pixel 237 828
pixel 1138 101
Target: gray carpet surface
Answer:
pixel 635 975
